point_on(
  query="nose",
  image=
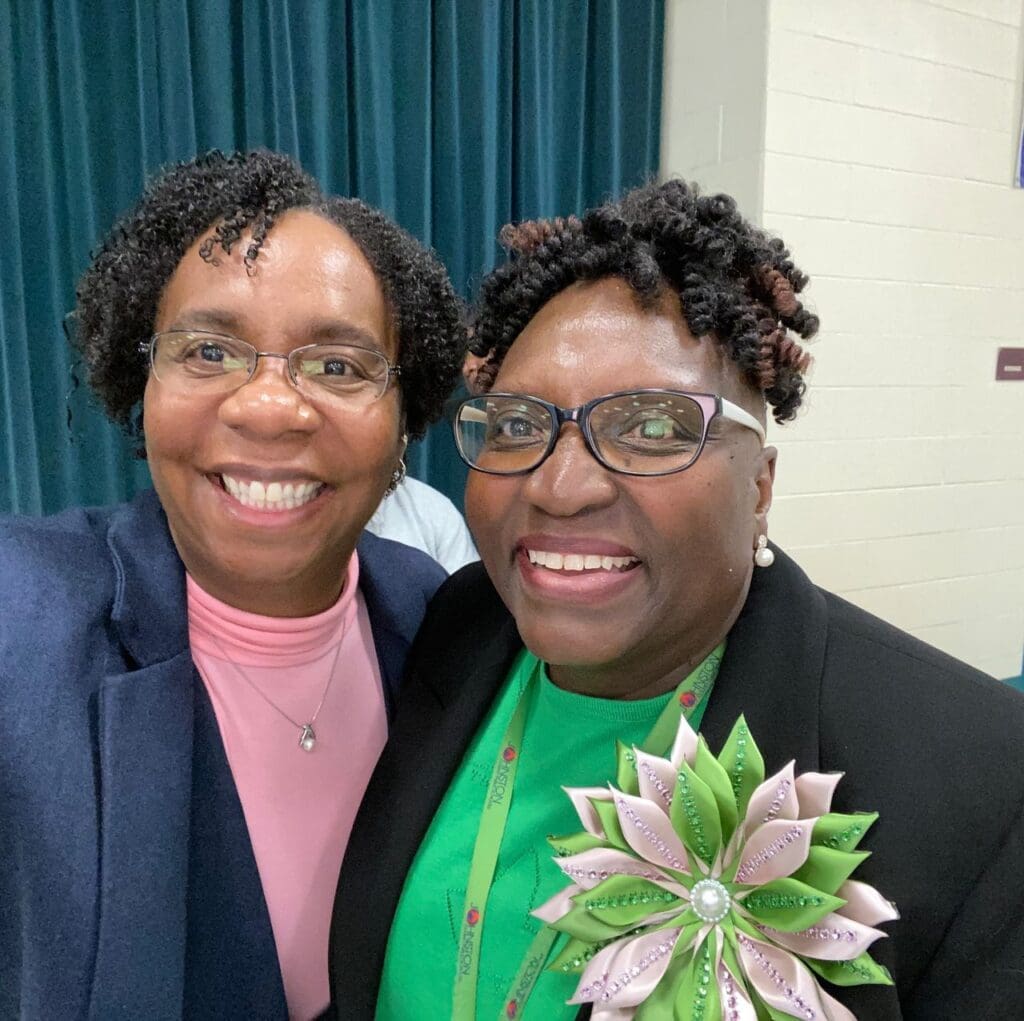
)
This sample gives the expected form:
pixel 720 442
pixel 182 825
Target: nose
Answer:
pixel 571 480
pixel 269 405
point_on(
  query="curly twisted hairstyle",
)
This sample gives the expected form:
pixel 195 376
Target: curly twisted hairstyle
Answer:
pixel 246 193
pixel 734 282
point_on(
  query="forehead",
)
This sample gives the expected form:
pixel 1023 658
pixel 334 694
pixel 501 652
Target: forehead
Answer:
pixel 309 274
pixel 595 337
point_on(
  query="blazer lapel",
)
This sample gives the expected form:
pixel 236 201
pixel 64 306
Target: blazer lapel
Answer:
pixel 772 669
pixel 428 740
pixel 144 750
pixel 145 753
pixel 395 610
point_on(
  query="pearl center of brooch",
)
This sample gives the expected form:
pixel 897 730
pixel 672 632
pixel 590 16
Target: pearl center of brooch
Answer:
pixel 710 900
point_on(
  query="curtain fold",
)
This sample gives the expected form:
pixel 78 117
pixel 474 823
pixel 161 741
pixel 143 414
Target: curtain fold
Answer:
pixel 454 116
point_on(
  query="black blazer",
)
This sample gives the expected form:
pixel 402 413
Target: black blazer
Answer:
pixel 932 745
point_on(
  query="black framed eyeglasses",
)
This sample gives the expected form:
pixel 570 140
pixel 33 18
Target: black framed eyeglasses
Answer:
pixel 201 362
pixel 635 432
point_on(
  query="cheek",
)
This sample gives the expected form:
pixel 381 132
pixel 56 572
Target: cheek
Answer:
pixel 488 500
pixel 166 425
pixel 365 444
pixel 703 517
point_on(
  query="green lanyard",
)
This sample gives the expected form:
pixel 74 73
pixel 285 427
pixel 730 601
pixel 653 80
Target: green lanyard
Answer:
pixel 690 699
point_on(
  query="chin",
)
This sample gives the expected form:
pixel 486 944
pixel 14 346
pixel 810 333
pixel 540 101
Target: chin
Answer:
pixel 578 647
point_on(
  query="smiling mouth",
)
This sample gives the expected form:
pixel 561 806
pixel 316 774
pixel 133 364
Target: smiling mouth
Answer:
pixel 271 496
pixel 580 561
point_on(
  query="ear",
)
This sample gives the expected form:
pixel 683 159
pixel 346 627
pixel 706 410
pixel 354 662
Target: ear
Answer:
pixel 765 482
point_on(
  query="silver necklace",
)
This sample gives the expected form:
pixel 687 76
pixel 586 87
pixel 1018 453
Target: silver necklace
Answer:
pixel 307 735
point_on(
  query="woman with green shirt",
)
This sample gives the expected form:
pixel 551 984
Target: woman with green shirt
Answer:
pixel 627 596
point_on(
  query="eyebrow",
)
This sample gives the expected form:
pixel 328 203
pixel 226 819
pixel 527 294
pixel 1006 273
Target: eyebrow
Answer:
pixel 317 331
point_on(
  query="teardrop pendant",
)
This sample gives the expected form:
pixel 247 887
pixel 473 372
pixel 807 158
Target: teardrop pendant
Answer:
pixel 307 741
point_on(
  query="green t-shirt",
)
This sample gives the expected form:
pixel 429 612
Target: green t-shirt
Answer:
pixel 569 740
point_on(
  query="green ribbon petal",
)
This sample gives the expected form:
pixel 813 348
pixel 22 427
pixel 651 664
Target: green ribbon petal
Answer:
pixel 575 843
pixel 694 815
pixel 625 775
pixel 789 905
pixel 581 924
pixel 842 832
pixel 741 759
pixel 711 771
pixel 574 956
pixel 696 996
pixel 826 869
pixel 625 901
pixel 862 971
pixel 658 1006
pixel 610 822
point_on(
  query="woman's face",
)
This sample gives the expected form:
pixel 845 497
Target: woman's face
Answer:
pixel 688 538
pixel 311 284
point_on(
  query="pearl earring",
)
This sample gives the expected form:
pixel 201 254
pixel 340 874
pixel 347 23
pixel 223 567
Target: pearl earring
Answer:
pixel 763 556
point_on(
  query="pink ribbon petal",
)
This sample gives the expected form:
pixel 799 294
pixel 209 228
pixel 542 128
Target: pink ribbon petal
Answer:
pixel 736 1006
pixel 774 850
pixel 834 938
pixel 558 906
pixel 684 748
pixel 628 974
pixel 836 1011
pixel 612 1014
pixel 649 832
pixel 773 799
pixel 814 792
pixel 588 868
pixel 657 779
pixel 865 904
pixel 781 980
pixel 580 798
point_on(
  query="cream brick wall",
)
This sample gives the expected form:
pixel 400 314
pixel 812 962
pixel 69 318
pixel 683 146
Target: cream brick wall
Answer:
pixel 886 161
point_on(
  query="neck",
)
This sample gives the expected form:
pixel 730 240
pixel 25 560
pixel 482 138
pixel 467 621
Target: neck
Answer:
pixel 646 672
pixel 293 597
pixel 621 682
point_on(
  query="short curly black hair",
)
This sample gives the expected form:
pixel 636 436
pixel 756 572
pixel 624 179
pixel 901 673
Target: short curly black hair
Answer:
pixel 119 293
pixel 735 282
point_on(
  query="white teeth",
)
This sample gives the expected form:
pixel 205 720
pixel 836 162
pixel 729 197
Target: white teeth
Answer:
pixel 274 496
pixel 579 561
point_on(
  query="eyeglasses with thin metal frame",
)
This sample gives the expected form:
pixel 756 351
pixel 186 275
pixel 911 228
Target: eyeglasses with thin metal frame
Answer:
pixel 632 432
pixel 201 361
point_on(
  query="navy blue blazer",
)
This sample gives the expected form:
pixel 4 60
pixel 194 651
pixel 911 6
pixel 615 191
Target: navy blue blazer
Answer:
pixel 105 734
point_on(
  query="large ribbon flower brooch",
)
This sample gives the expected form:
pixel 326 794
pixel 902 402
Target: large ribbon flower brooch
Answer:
pixel 702 890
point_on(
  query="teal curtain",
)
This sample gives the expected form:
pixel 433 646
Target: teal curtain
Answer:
pixel 454 116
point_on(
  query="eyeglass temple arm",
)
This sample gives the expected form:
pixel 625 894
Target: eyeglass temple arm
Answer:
pixel 736 414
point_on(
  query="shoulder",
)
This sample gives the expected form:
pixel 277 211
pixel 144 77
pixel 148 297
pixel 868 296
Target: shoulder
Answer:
pixel 50 564
pixel 396 577
pixel 910 674
pixel 465 614
pixel 422 517
pixel 58 585
pixel 413 491
pixel 413 501
pixel 931 743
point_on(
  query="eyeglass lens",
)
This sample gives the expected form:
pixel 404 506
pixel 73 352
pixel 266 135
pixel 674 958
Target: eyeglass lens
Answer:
pixel 642 433
pixel 209 362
